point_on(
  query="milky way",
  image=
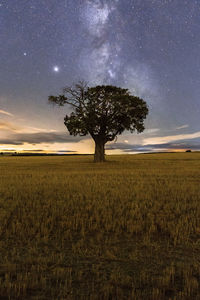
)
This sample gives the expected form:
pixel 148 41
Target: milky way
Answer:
pixel 104 60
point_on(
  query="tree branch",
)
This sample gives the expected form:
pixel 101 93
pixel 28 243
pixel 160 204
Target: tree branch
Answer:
pixel 61 100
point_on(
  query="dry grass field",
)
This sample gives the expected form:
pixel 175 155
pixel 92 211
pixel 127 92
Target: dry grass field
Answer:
pixel 125 229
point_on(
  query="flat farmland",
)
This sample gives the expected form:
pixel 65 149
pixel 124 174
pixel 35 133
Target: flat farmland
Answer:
pixel 125 229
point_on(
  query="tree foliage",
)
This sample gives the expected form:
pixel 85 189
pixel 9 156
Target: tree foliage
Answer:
pixel 102 111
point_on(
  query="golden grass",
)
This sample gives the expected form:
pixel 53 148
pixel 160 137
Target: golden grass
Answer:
pixel 125 229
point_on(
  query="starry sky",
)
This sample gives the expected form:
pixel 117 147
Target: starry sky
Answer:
pixel 151 47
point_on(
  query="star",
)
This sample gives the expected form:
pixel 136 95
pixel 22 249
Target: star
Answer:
pixel 56 69
pixel 25 54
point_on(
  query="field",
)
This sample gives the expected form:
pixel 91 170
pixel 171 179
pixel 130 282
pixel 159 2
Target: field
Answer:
pixel 125 229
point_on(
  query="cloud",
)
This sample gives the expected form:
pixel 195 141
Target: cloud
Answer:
pixel 8 126
pixel 52 151
pixel 167 139
pixel 36 129
pixel 173 142
pixel 151 130
pixel 125 147
pixel 39 138
pixel 12 134
pixel 183 126
pixel 10 142
pixel 176 146
pixel 33 150
pixel 65 151
pixel 6 113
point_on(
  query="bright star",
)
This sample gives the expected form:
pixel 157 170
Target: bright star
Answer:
pixel 56 69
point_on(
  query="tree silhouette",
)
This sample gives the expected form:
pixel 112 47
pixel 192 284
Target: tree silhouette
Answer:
pixel 101 111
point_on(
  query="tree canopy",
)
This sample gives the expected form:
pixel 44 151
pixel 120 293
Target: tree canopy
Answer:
pixel 103 112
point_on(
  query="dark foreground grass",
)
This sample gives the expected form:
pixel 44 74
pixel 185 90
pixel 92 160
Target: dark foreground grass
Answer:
pixel 126 229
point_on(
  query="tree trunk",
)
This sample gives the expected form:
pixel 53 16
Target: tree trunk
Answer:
pixel 99 155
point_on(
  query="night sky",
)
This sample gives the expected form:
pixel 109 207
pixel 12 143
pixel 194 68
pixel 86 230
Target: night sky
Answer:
pixel 151 47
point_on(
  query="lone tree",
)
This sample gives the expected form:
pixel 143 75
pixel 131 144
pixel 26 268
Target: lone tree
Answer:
pixel 101 111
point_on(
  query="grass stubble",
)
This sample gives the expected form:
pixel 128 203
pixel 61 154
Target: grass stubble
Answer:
pixel 125 229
